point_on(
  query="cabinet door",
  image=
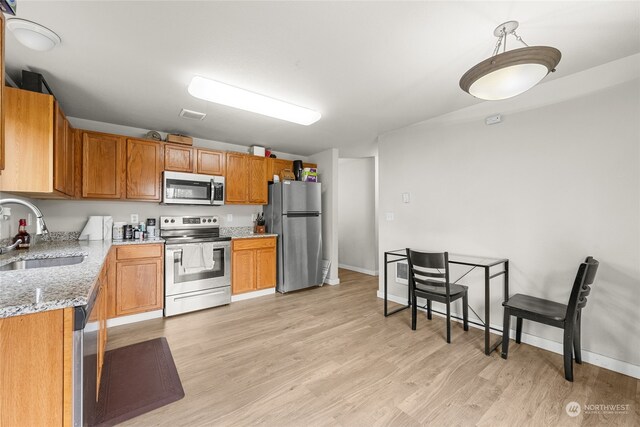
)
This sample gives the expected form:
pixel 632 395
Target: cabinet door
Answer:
pixel 144 170
pixel 138 286
pixel 28 131
pixel 59 149
pixel 178 158
pixel 243 271
pixel 258 191
pixel 266 268
pixel 102 166
pixel 236 181
pixel 63 154
pixel 210 162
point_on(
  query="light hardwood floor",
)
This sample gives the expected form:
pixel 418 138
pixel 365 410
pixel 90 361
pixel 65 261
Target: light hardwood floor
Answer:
pixel 327 356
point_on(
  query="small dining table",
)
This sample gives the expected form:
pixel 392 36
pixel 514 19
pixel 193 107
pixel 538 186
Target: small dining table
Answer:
pixel 471 261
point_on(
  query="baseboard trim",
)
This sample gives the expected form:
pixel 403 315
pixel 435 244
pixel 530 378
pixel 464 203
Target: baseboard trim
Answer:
pixel 332 282
pixel 359 270
pixel 134 318
pixel 255 294
pixel 596 359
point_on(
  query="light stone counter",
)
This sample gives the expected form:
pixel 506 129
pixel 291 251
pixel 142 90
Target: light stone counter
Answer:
pixel 51 288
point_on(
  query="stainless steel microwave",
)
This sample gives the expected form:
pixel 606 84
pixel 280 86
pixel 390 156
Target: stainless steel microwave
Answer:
pixel 192 189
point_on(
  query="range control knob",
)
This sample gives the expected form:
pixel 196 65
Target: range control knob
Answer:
pixel 173 220
pixel 166 220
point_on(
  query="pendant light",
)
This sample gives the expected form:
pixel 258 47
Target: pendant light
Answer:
pixel 509 73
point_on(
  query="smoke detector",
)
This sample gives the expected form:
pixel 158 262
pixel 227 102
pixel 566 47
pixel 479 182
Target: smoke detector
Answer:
pixel 190 114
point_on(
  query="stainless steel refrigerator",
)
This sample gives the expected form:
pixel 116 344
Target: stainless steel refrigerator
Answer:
pixel 294 214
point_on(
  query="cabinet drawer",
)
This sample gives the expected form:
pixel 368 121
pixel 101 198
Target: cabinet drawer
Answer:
pixel 257 243
pixel 139 251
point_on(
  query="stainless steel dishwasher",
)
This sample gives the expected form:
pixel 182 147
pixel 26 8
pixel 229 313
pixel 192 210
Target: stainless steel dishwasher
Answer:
pixel 85 363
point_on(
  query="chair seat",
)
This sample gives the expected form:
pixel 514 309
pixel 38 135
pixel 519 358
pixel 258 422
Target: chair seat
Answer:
pixel 538 306
pixel 440 290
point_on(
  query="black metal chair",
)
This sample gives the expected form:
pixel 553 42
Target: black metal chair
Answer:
pixel 567 317
pixel 429 279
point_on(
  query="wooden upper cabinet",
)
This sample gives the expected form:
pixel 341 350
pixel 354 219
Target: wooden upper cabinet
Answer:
pixel 246 179
pixel 237 178
pixel 29 134
pixel 144 170
pixel 258 190
pixel 178 158
pixel 63 154
pixel 210 162
pixel 276 166
pixel 102 165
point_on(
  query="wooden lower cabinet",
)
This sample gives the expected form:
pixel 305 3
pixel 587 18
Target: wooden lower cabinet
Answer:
pixel 35 369
pixel 253 264
pixel 139 280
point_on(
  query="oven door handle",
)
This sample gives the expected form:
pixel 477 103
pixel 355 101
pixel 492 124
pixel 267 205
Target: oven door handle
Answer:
pixel 199 294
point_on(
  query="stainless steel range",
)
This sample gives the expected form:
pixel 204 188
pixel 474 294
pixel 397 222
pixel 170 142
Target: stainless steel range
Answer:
pixel 197 264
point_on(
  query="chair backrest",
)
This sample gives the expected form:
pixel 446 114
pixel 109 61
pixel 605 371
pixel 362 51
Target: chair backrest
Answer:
pixel 582 286
pixel 428 268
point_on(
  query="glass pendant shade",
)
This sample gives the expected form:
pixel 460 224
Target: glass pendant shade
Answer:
pixel 510 73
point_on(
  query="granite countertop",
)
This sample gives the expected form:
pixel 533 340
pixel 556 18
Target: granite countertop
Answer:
pixel 242 233
pixel 51 288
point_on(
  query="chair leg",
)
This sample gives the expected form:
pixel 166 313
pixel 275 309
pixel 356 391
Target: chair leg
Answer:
pixel 448 322
pixel 576 340
pixel 429 316
pixel 568 352
pixel 414 310
pixel 506 324
pixel 465 311
pixel 518 329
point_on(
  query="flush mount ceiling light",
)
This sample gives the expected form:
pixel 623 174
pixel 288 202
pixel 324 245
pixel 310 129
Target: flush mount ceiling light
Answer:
pixel 221 93
pixel 32 35
pixel 511 73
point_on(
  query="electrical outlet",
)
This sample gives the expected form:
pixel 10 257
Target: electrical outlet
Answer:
pixel 406 197
pixel 389 216
pixel 229 217
pixel 134 218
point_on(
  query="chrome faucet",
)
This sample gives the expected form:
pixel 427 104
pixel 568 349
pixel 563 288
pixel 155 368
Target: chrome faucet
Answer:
pixel 41 226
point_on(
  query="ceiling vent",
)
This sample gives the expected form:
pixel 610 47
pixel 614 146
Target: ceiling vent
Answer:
pixel 190 114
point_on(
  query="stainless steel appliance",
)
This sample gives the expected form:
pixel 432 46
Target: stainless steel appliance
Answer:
pixel 192 189
pixel 294 213
pixel 189 286
pixel 85 363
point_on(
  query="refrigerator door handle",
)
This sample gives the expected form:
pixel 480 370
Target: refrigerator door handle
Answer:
pixel 301 214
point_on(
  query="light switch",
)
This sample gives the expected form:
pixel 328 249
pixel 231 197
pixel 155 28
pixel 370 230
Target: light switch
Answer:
pixel 389 216
pixel 406 197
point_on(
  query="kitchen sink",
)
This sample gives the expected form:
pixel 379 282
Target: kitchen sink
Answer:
pixel 43 262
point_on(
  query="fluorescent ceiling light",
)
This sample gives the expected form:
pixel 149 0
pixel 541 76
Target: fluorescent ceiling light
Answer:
pixel 221 93
pixel 33 35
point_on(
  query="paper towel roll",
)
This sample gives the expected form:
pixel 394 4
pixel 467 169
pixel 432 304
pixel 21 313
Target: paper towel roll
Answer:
pixel 92 229
pixel 97 228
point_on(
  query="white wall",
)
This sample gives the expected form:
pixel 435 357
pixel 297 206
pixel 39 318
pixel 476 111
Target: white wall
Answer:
pixel 356 217
pixel 553 183
pixel 327 162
